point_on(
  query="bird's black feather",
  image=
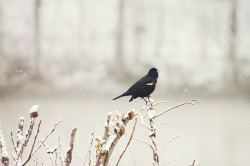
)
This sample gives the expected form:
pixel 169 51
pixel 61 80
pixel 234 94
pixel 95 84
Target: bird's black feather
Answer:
pixel 143 87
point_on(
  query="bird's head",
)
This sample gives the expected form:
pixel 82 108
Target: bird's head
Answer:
pixel 153 72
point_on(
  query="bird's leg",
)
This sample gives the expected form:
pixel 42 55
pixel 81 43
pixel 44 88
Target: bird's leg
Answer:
pixel 145 100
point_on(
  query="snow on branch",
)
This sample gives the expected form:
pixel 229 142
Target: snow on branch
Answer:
pixel 45 138
pixel 4 153
pixel 23 139
pixel 152 126
pixel 68 157
pixel 30 154
pixel 193 163
pixel 192 102
pixel 106 144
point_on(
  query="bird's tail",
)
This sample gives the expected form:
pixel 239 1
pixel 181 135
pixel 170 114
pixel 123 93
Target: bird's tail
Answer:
pixel 124 94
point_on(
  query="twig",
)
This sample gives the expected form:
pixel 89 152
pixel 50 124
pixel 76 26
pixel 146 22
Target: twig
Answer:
pixel 107 143
pixel 68 157
pixel 77 138
pixel 41 142
pixel 154 104
pixel 189 102
pixel 20 131
pixel 152 134
pixel 143 123
pixel 160 102
pixel 13 141
pixel 91 143
pixel 36 161
pixel 193 162
pixel 168 163
pixel 175 137
pixel 51 160
pixel 4 153
pixel 138 140
pixel 23 141
pixel 59 150
pixel 128 142
pixel 80 157
pixel 30 154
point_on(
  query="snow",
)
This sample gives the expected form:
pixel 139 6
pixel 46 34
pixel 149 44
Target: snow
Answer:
pixel 109 143
pixel 52 150
pixel 34 108
pixel 3 145
pixel 151 114
pixel 110 113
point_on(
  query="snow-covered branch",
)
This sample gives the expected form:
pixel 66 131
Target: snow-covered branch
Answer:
pixel 4 153
pixel 22 140
pixel 106 144
pixel 193 163
pixel 30 154
pixel 152 126
pixel 45 138
pixel 68 157
pixel 192 102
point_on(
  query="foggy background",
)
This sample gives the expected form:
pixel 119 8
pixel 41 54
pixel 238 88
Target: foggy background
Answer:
pixel 73 56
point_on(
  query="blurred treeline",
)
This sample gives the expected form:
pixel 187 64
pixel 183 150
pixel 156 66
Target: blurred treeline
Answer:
pixel 102 44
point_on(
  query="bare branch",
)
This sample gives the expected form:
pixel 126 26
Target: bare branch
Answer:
pixel 13 141
pixel 160 102
pixel 30 154
pixel 59 151
pixel 77 138
pixel 4 153
pixel 91 143
pixel 80 158
pixel 138 140
pixel 22 141
pixel 192 102
pixel 107 143
pixel 143 123
pixel 41 142
pixel 128 142
pixel 68 157
pixel 20 131
pixel 193 162
pixel 175 137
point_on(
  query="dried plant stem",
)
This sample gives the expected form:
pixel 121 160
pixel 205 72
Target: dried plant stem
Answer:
pixel 91 143
pixel 41 142
pixel 30 154
pixel 13 141
pixel 110 139
pixel 4 154
pixel 175 137
pixel 128 142
pixel 59 151
pixel 171 108
pixel 68 157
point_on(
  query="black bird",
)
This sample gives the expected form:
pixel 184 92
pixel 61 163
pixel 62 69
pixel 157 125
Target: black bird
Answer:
pixel 144 87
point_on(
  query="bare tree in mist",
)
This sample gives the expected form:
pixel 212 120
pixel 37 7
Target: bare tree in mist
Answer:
pixel 232 54
pixel 119 59
pixel 138 29
pixel 37 74
pixel 160 29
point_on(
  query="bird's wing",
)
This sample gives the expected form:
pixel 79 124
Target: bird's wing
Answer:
pixel 143 81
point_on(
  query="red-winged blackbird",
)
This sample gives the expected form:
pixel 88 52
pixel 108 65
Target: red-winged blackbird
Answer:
pixel 144 87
